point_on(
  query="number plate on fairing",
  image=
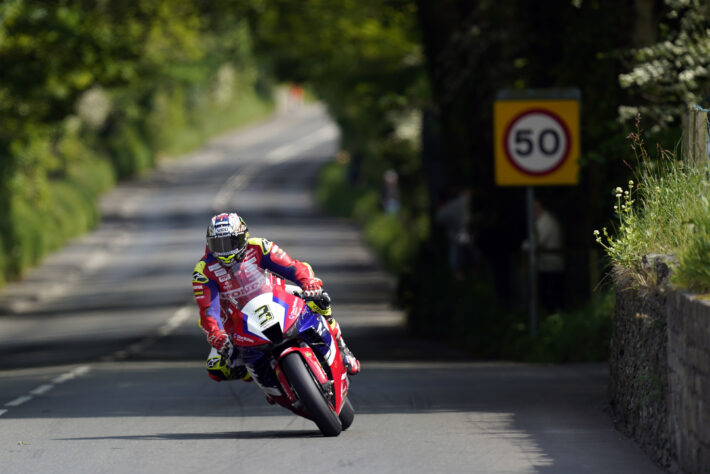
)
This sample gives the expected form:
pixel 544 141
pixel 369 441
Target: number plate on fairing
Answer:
pixel 263 312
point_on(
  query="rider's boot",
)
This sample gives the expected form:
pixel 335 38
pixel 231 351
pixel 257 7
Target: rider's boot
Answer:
pixel 352 365
pixel 321 305
pixel 219 370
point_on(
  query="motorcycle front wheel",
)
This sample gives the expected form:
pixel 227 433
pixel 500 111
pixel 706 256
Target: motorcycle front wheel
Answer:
pixel 347 415
pixel 310 395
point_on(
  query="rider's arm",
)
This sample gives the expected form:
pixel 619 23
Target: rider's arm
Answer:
pixel 206 292
pixel 279 262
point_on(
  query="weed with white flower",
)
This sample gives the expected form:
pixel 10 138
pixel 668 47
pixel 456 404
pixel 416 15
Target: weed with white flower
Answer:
pixel 667 212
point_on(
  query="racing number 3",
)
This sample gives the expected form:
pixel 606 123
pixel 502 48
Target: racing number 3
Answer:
pixel 265 315
pixel 548 142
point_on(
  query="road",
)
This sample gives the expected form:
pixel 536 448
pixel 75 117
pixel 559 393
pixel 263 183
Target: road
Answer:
pixel 102 361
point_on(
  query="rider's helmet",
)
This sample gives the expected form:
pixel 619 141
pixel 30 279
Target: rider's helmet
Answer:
pixel 227 237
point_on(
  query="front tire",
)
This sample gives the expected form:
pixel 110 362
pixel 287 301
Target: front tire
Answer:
pixel 347 414
pixel 310 395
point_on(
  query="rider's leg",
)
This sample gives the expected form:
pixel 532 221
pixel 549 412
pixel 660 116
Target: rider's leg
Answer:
pixel 351 363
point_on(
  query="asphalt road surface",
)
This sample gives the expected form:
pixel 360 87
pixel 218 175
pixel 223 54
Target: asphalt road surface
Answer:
pixel 102 361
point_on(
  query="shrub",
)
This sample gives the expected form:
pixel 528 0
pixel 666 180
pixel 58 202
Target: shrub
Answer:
pixel 575 336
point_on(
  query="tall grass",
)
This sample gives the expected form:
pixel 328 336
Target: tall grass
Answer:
pixel 666 211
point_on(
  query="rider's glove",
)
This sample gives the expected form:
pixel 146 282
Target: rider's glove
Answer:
pixel 313 287
pixel 220 341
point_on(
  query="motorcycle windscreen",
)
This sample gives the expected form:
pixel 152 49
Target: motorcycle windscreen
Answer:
pixel 250 282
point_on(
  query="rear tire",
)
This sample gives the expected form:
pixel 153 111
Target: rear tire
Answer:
pixel 347 415
pixel 310 395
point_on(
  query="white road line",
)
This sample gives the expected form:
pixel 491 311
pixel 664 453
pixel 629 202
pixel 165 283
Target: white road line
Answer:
pixel 290 150
pixel 275 156
pixel 62 378
pixel 234 183
pixel 19 401
pixel 42 389
pixel 77 372
pixel 179 317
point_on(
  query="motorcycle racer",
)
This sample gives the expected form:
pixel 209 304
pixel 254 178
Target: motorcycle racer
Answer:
pixel 213 285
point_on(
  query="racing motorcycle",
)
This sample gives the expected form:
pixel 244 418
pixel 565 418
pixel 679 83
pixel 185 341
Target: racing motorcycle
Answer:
pixel 289 349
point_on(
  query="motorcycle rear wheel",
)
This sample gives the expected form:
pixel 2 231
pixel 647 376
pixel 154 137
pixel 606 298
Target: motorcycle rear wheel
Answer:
pixel 311 395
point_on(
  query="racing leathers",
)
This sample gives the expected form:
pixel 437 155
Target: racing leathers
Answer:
pixel 213 284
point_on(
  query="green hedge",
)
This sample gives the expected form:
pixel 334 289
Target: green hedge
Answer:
pixel 394 237
pixel 96 92
pixel 56 206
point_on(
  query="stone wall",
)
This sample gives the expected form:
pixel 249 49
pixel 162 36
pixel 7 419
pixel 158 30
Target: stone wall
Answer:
pixel 638 384
pixel 659 387
pixel 689 380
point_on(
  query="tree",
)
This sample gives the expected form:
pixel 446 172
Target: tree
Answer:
pixel 673 73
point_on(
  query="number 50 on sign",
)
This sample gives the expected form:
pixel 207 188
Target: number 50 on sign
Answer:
pixel 536 142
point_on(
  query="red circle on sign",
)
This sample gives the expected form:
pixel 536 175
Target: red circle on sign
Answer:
pixel 558 121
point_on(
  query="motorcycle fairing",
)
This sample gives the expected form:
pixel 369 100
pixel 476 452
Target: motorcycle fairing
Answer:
pixel 267 310
pixel 320 336
pixel 259 366
pixel 314 329
pixel 310 359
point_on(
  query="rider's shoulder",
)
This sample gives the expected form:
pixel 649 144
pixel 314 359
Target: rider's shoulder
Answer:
pixel 263 244
pixel 207 264
pixel 198 274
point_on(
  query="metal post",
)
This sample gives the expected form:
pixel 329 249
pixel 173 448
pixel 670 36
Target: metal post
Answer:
pixel 532 266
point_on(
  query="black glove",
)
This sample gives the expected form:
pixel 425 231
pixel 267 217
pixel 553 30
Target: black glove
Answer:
pixel 322 300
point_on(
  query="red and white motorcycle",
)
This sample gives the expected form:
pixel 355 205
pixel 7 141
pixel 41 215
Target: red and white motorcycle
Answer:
pixel 289 350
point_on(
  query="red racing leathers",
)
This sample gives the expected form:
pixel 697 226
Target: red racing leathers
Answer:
pixel 213 283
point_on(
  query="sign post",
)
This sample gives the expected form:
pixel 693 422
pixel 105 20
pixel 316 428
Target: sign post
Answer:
pixel 536 142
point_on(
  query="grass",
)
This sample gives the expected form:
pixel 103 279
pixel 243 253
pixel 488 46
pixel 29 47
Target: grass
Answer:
pixel 666 211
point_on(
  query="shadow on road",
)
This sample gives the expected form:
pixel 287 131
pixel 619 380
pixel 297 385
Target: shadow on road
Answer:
pixel 300 434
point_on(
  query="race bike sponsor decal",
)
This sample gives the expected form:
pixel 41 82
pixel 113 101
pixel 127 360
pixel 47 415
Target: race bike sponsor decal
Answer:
pixel 232 295
pixel 239 338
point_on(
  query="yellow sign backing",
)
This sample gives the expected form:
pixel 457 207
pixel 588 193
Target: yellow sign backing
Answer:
pixel 536 142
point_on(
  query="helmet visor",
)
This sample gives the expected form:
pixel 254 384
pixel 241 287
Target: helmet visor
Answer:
pixel 227 245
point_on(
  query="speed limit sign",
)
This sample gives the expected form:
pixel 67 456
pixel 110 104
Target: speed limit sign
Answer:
pixel 536 142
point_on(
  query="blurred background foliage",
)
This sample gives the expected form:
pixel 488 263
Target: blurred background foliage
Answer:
pixel 95 91
pixel 420 103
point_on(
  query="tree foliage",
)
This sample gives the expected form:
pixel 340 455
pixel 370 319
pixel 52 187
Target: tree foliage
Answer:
pixel 363 58
pixel 668 76
pixel 97 85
